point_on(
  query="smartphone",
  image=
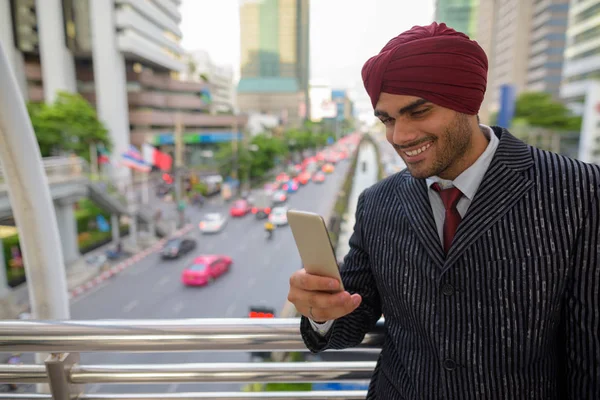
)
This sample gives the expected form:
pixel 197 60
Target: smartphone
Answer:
pixel 314 245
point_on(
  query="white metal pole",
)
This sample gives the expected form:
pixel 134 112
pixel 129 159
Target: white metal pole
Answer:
pixel 33 209
pixel 29 194
pixel 94 161
pixel 145 188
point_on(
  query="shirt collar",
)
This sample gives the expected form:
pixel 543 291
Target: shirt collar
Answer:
pixel 468 182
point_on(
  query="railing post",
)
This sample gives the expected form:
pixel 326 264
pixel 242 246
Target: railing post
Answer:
pixel 32 204
pixel 58 367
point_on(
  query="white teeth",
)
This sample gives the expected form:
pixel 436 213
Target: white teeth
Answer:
pixel 413 153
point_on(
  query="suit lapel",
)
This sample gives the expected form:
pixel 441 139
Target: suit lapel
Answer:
pixel 502 187
pixel 415 201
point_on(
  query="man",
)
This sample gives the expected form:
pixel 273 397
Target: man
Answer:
pixel 483 254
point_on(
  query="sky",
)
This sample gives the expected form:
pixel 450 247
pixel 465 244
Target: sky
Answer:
pixel 343 34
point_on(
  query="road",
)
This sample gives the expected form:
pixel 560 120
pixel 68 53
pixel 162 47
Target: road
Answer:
pixel 365 176
pixel 392 162
pixel 151 289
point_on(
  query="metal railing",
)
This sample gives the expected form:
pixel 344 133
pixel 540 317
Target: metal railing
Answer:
pixel 58 170
pixel 66 377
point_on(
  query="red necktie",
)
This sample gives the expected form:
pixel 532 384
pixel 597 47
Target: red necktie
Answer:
pixel 450 198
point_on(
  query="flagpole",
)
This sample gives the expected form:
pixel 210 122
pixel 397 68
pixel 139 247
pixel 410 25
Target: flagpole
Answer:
pixel 178 169
pixel 145 188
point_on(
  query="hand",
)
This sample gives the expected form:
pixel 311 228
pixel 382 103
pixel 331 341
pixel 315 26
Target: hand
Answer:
pixel 320 298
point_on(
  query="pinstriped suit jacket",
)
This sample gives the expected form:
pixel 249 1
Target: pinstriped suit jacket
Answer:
pixel 512 312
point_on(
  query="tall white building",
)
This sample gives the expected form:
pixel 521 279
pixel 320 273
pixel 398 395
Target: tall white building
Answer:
pixel 200 67
pixel 582 53
pixel 53 42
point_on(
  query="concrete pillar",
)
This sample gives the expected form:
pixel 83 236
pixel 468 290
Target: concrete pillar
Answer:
pixel 58 67
pixel 110 81
pixel 4 289
pixel 114 225
pixel 15 58
pixel 67 229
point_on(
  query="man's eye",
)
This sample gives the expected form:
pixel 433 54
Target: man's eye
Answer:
pixel 387 121
pixel 420 112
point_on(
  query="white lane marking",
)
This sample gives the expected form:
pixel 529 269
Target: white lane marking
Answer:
pixel 251 282
pixel 172 387
pixel 130 306
pixel 178 307
pixel 230 310
pixel 164 280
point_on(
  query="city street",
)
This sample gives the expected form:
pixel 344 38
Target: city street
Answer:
pixel 152 288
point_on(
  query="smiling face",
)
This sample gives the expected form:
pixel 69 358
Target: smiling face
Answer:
pixel 432 140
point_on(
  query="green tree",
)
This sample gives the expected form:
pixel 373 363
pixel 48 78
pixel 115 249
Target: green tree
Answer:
pixel 255 164
pixel 70 124
pixel 539 109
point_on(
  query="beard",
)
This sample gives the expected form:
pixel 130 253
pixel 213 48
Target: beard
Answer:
pixel 449 148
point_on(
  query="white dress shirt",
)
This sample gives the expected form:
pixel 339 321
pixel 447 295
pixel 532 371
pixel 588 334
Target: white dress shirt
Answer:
pixel 468 182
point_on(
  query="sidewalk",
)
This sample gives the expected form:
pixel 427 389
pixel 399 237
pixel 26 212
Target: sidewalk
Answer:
pixel 362 180
pixel 82 277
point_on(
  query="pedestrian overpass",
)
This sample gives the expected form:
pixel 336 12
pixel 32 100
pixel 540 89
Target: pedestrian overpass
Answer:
pixel 69 181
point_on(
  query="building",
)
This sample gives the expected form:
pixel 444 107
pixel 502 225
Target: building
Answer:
pixel 461 15
pixel 547 46
pixel 275 59
pixel 510 48
pixel 486 22
pixel 589 143
pixel 122 55
pixel 525 43
pixel 200 68
pixel 582 54
pixel 344 106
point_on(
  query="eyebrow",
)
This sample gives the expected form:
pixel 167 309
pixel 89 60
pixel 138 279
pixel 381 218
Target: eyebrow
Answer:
pixel 403 110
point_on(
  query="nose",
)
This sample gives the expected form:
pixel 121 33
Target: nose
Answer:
pixel 403 133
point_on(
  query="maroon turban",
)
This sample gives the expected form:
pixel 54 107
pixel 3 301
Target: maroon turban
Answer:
pixel 432 62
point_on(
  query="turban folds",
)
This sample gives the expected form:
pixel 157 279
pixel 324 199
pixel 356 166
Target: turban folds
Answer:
pixel 432 62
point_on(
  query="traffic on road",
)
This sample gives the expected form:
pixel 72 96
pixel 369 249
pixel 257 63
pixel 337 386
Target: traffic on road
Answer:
pixel 223 268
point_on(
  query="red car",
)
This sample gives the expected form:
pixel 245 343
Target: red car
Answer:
pixel 319 177
pixel 205 269
pixel 282 177
pixel 303 178
pixel 240 208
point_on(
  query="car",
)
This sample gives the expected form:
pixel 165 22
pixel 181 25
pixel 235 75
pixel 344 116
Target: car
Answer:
pixel 175 248
pixel 304 178
pixel 239 208
pixel 290 186
pixel 282 177
pixel 205 269
pixel 279 197
pixel 328 168
pixel 212 223
pixel 278 216
pixel 319 177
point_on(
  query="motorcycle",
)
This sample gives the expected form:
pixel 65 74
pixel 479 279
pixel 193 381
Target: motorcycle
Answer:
pixel 269 234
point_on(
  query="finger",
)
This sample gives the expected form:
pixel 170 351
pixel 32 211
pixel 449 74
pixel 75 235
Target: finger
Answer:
pixel 307 298
pixel 303 280
pixel 332 313
pixel 326 300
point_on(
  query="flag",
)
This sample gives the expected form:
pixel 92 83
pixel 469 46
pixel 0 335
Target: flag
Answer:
pixel 157 158
pixel 103 155
pixel 133 159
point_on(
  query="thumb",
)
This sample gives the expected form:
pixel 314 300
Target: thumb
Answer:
pixel 354 302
